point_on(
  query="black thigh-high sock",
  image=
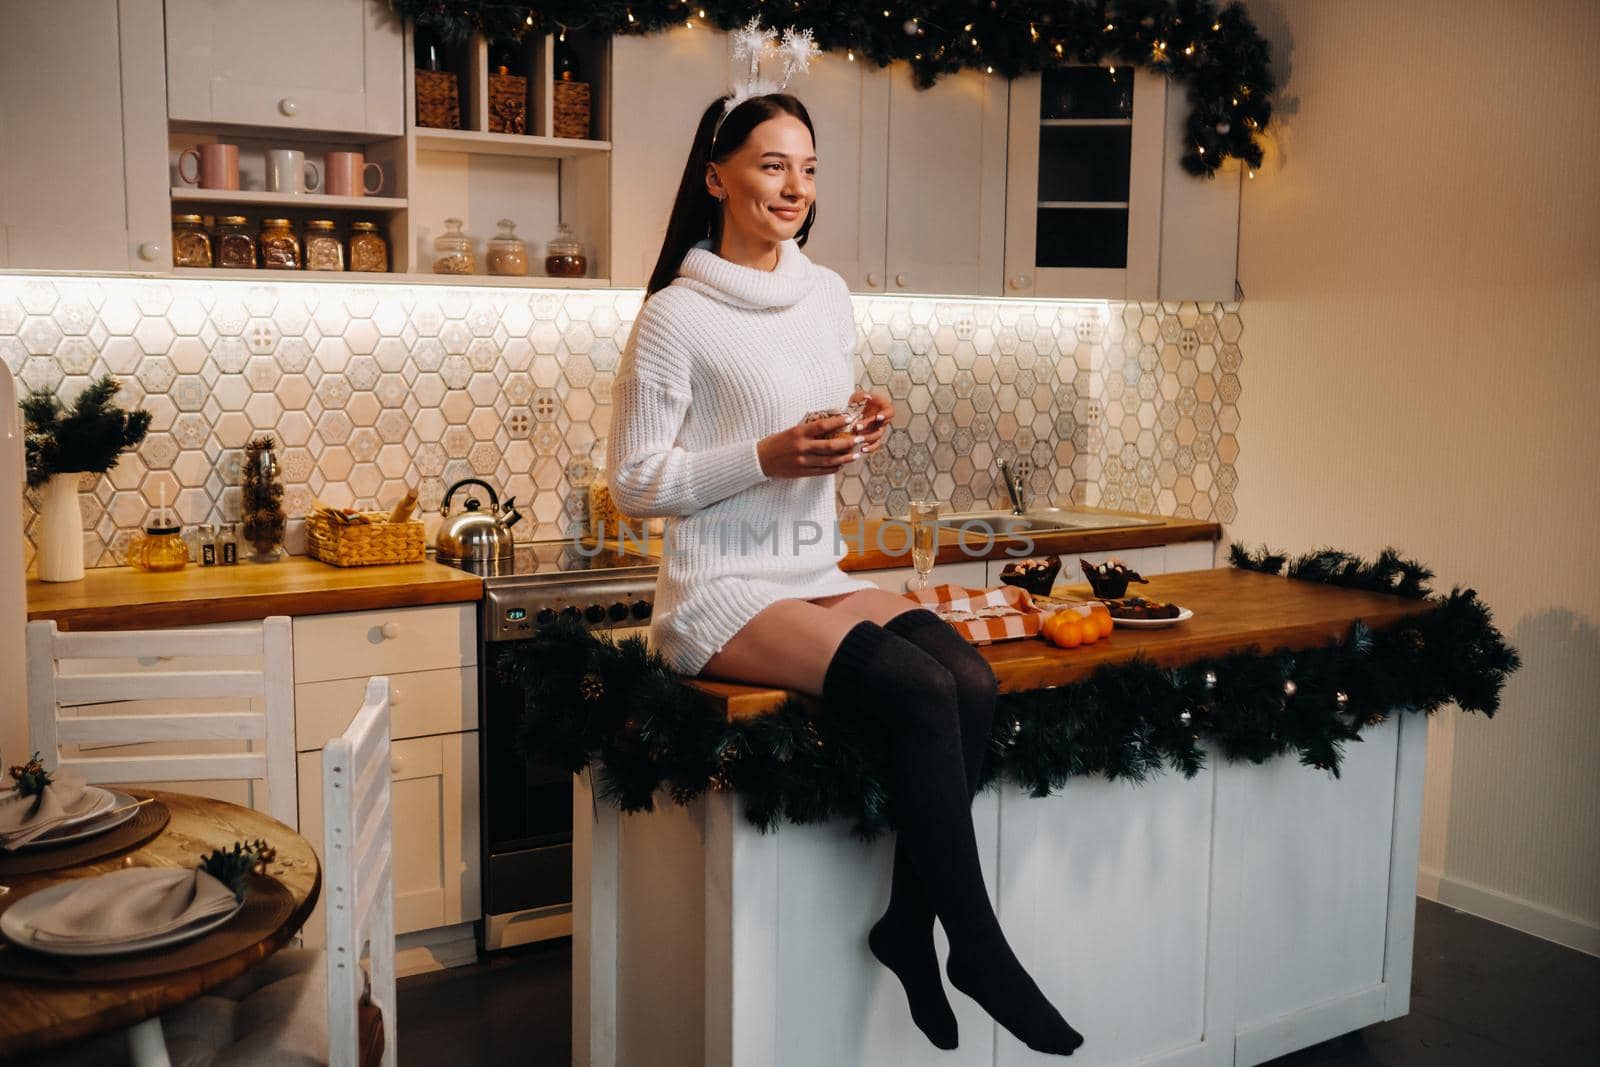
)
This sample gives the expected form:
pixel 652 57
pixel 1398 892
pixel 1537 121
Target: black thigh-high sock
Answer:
pixel 890 677
pixel 903 938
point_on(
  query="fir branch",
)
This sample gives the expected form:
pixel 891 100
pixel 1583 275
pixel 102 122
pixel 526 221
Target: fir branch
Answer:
pixel 89 436
pixel 233 867
pixel 31 779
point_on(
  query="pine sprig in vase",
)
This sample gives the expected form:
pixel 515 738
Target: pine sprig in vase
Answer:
pixel 262 500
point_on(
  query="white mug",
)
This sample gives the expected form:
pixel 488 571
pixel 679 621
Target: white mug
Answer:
pixel 289 171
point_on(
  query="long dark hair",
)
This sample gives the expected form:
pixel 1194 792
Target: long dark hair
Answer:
pixel 696 214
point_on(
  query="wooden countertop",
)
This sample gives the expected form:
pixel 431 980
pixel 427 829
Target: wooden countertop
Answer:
pixel 121 598
pixel 1233 609
pixel 882 544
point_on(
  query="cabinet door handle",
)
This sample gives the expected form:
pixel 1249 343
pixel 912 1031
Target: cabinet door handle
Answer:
pixel 397 764
pixel 1019 281
pixel 289 106
pixel 394 697
pixel 390 630
pixel 150 251
pixel 900 280
pixel 872 281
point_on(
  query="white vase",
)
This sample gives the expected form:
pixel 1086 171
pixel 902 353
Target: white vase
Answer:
pixel 60 531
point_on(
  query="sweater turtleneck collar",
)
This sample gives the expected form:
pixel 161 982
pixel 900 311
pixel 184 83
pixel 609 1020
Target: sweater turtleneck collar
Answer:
pixel 784 286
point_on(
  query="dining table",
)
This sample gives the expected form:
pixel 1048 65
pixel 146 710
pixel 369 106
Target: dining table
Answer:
pixel 39 1013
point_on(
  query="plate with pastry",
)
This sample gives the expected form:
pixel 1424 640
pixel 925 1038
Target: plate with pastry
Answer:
pixel 1137 613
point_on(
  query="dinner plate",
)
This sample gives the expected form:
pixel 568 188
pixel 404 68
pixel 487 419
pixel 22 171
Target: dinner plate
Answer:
pixel 17 925
pixel 97 822
pixel 104 801
pixel 1184 614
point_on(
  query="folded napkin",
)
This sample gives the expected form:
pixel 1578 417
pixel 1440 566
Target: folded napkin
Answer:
pixel 23 818
pixel 131 905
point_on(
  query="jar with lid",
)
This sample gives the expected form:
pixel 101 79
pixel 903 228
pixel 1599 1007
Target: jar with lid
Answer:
pixel 191 244
pixel 563 256
pixel 453 251
pixel 324 251
pixel 508 254
pixel 162 548
pixel 236 245
pixel 368 250
pixel 280 248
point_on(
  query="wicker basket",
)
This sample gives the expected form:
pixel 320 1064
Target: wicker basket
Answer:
pixel 438 100
pixel 572 109
pixel 364 544
pixel 508 103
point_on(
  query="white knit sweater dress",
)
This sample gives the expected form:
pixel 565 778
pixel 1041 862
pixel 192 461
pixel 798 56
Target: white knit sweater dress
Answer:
pixel 719 359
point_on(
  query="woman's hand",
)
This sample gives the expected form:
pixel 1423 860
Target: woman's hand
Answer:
pixel 874 424
pixel 807 448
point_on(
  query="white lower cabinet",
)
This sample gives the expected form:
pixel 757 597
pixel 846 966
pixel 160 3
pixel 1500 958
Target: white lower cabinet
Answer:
pixel 429 656
pixel 435 796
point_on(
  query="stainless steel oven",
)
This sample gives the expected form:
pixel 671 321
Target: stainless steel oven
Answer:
pixel 525 813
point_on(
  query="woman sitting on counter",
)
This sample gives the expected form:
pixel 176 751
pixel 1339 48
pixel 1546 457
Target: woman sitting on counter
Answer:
pixel 740 338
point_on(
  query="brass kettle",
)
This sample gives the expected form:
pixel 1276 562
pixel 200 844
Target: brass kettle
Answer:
pixel 475 535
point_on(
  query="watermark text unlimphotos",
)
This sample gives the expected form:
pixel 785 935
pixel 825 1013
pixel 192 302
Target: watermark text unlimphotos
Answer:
pixel 794 537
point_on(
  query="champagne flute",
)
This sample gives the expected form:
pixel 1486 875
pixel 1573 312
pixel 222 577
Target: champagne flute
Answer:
pixel 924 519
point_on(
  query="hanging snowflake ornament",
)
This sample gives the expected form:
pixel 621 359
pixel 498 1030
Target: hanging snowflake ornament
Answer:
pixel 798 50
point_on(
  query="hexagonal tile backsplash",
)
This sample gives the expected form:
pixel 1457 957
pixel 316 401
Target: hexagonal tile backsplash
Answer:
pixel 372 389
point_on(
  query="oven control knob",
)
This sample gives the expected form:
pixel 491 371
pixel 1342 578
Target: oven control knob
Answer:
pixel 619 611
pixel 641 609
pixel 594 612
pixel 570 612
pixel 546 616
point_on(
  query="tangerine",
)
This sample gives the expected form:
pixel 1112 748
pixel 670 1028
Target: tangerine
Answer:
pixel 1068 633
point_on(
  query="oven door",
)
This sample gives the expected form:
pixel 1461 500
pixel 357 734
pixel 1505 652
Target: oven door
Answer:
pixel 526 821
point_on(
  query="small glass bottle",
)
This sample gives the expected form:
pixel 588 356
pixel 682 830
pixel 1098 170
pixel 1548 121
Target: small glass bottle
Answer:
pixel 368 250
pixel 453 251
pixel 563 256
pixel 508 254
pixel 280 248
pixel 191 244
pixel 228 545
pixel 323 248
pixel 207 545
pixel 236 245
pixel 160 549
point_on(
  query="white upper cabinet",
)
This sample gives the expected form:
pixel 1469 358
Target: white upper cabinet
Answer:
pixel 849 108
pixel 336 65
pixel 82 136
pixel 947 184
pixel 1097 204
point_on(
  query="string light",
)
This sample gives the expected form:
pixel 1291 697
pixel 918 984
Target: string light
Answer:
pixel 1110 26
pixel 974 42
pixel 530 18
pixel 1250 174
pixel 1215 26
pixel 1189 51
pixel 1058 48
pixel 850 54
pixel 630 16
pixel 1113 72
pixel 1033 31
pixel 988 70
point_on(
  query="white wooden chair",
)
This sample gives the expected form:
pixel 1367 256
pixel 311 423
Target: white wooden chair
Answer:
pixel 50 690
pixel 304 1006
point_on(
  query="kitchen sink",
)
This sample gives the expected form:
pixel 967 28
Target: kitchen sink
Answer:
pixel 1038 521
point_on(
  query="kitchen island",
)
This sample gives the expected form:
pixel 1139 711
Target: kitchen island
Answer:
pixel 1227 918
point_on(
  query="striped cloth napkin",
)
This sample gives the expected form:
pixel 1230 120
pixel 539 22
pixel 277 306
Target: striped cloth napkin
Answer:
pixel 983 615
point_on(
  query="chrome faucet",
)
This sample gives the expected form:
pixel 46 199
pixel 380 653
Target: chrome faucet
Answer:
pixel 1014 488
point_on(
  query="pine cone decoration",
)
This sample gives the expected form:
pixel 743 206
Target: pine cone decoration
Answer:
pixel 590 687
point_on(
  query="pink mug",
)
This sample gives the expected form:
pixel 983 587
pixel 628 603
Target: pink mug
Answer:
pixel 216 166
pixel 345 174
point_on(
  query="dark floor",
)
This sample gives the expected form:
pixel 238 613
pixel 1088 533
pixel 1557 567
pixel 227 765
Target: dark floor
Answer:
pixel 1482 995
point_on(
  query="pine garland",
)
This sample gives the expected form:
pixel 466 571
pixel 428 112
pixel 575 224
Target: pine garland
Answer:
pixel 619 709
pixel 1216 53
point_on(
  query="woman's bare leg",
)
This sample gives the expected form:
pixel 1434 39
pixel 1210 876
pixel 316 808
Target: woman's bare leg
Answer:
pixel 788 645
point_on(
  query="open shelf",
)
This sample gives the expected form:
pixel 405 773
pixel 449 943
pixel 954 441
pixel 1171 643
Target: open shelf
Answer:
pixel 189 194
pixel 532 281
pixel 479 142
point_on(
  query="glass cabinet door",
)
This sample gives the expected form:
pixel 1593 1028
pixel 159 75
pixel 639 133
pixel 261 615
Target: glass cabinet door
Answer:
pixel 1084 186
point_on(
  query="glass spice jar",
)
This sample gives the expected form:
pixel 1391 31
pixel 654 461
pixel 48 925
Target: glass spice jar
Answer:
pixel 236 245
pixel 280 248
pixel 191 244
pixel 453 251
pixel 368 250
pixel 324 251
pixel 508 254
pixel 563 256
pixel 162 548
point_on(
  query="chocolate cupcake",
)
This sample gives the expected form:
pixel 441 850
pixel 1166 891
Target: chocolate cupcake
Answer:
pixel 1037 576
pixel 1110 579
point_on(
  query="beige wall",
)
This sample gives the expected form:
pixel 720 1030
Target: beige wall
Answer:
pixel 1420 258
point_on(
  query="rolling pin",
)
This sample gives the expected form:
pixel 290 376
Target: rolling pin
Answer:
pixel 402 511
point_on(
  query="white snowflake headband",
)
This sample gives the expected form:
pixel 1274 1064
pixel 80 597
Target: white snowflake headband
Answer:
pixel 755 43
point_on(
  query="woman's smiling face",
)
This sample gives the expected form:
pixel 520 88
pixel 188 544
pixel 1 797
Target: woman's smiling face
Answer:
pixel 767 185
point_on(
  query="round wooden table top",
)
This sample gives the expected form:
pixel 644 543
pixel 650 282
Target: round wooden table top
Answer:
pixel 38 1015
